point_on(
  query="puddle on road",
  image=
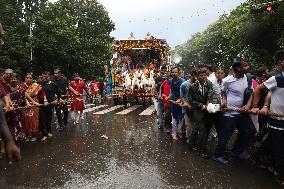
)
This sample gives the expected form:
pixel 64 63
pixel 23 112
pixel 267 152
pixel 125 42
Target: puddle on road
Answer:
pixel 136 155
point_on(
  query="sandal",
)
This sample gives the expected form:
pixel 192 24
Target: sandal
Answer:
pixel 43 139
pixel 220 160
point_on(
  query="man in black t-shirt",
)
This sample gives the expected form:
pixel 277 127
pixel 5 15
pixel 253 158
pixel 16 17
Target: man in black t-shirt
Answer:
pixel 63 86
pixel 52 93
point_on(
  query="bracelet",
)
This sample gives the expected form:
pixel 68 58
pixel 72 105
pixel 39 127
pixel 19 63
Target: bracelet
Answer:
pixel 265 106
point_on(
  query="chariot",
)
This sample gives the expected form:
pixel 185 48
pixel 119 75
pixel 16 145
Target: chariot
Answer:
pixel 132 71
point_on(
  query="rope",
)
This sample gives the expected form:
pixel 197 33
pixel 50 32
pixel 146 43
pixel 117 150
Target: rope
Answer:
pixel 185 105
pixel 55 102
pixel 272 114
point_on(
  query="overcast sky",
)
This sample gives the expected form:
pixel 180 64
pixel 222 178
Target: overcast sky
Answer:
pixel 174 20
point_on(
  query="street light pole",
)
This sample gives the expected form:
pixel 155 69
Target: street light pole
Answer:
pixel 31 50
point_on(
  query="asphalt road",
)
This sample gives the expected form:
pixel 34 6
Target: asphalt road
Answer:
pixel 136 155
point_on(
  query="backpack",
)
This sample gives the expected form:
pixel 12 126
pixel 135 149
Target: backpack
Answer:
pixel 248 90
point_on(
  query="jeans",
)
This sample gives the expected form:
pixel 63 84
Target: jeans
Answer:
pixel 200 130
pixel 160 109
pixel 216 119
pixel 277 139
pixel 167 117
pixel 262 120
pixel 246 131
pixel 188 123
pixel 176 125
pixel 61 121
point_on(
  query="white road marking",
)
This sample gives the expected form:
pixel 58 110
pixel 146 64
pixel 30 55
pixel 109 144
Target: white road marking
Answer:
pixel 128 110
pixel 108 110
pixel 89 105
pixel 94 108
pixel 148 111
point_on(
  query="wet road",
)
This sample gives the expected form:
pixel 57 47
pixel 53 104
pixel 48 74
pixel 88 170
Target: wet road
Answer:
pixel 137 155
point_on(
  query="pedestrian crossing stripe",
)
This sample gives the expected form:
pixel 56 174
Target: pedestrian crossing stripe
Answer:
pixel 94 108
pixel 108 110
pixel 89 105
pixel 132 108
pixel 149 111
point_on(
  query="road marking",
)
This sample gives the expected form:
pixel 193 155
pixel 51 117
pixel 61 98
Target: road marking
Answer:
pixel 89 105
pixel 148 111
pixel 108 110
pixel 94 108
pixel 128 110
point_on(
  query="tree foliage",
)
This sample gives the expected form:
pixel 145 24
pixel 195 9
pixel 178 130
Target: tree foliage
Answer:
pixel 254 36
pixel 73 35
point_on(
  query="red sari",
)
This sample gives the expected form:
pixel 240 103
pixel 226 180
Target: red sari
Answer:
pixel 31 115
pixel 77 101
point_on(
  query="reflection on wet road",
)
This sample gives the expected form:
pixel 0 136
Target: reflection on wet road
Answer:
pixel 137 155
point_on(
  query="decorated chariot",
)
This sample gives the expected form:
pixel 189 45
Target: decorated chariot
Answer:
pixel 132 71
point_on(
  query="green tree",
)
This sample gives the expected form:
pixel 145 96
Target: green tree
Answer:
pixel 73 35
pixel 243 32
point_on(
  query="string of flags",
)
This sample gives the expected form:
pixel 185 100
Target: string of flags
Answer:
pixel 204 12
pixel 182 18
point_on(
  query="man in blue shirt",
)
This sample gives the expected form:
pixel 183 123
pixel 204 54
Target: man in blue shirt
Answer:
pixel 184 95
pixel 177 113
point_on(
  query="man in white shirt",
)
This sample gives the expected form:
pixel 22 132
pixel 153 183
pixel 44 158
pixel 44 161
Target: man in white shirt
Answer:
pixel 233 97
pixel 275 85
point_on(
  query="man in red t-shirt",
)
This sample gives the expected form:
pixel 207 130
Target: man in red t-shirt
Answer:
pixel 165 89
pixel 77 100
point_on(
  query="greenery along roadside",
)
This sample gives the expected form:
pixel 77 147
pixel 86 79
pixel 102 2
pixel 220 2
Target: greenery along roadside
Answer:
pixel 73 35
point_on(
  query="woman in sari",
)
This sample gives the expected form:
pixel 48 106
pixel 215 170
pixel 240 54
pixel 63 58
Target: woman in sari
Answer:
pixel 31 115
pixel 15 118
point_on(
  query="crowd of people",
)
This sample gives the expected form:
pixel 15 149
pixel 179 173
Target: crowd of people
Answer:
pixel 252 105
pixel 28 106
pixel 247 103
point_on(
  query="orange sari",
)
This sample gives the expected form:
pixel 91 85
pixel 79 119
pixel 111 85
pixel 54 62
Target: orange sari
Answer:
pixel 32 114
